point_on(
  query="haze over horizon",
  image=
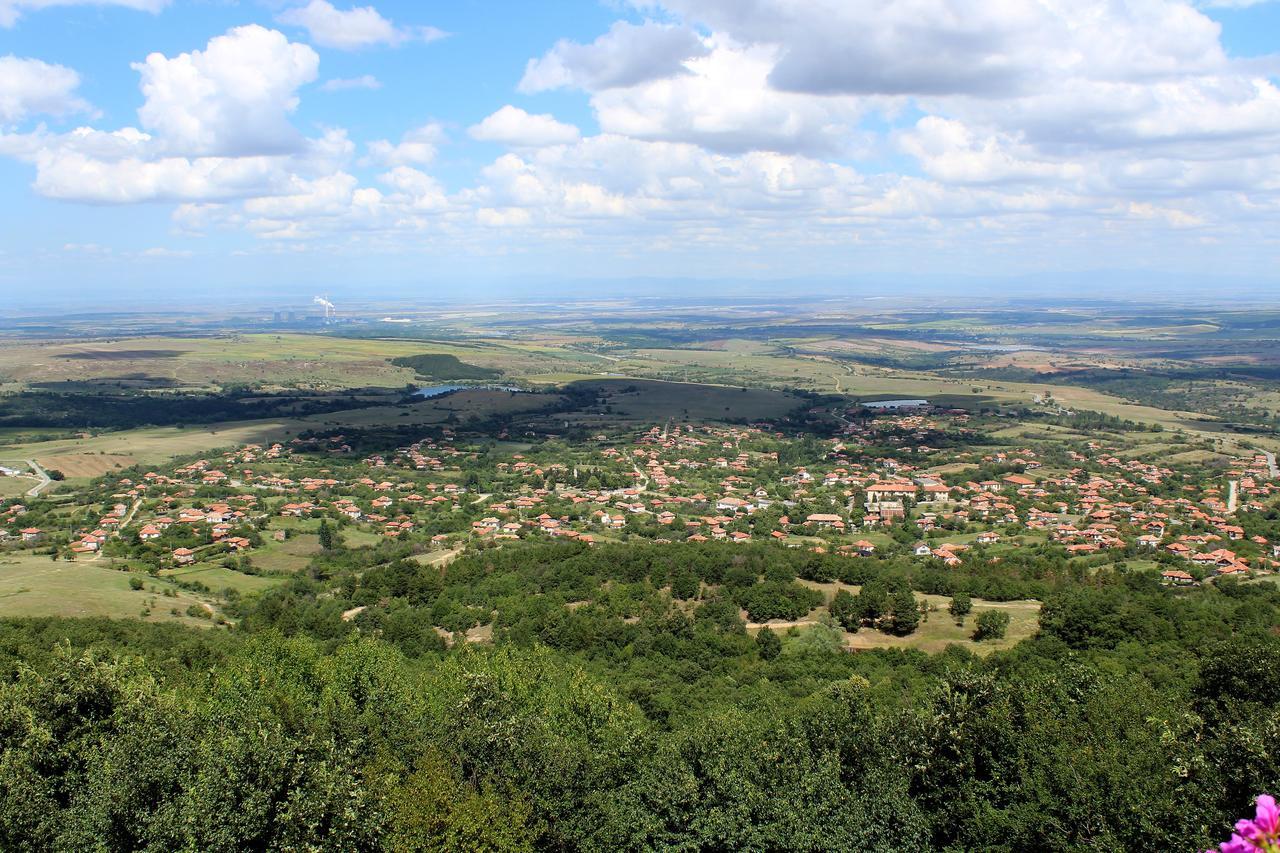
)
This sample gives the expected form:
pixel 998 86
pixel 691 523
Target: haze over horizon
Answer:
pixel 158 150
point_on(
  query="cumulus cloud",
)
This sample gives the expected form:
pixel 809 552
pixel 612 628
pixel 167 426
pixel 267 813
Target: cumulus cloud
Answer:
pixel 11 10
pixel 232 98
pixel 418 146
pixel 725 103
pixel 346 84
pixel 353 29
pixel 31 87
pixel 515 127
pixel 942 47
pixel 954 153
pixel 626 55
pixel 734 123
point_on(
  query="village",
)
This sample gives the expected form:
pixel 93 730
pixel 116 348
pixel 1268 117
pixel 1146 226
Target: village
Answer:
pixel 878 488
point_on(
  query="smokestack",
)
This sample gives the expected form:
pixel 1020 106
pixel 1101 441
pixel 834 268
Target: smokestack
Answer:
pixel 329 310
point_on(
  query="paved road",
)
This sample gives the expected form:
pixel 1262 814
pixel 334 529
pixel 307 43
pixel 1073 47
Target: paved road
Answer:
pixel 1271 463
pixel 44 479
pixel 1231 496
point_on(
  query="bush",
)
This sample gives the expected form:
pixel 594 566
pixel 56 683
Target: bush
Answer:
pixel 135 584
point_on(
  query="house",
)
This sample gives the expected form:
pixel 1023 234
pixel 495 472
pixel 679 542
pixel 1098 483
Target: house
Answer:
pixel 946 556
pixel 184 556
pixel 988 537
pixel 922 549
pixel 32 534
pixel 1176 577
pixel 732 504
pixel 823 521
pixel 149 532
pixel 890 491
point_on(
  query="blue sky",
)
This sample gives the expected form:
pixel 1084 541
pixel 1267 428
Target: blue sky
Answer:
pixel 148 145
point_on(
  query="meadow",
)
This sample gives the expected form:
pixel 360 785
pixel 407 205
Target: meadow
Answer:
pixel 33 585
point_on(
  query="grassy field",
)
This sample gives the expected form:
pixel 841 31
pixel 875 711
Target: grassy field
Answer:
pixel 314 361
pixel 32 585
pixel 150 446
pixel 12 487
pixel 291 555
pixel 218 578
pixel 933 635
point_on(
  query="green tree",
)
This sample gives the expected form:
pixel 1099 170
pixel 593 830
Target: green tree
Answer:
pixel 960 606
pixel 768 644
pixel 326 535
pixel 906 612
pixel 844 609
pixel 992 625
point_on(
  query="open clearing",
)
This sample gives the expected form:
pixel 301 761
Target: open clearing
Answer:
pixel 218 578
pixel 291 555
pixel 933 635
pixel 87 465
pixel 34 585
pixel 153 445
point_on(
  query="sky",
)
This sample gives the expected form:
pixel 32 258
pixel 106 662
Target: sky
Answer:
pixel 161 146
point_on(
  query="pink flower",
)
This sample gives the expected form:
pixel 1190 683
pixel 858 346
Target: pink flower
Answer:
pixel 1260 835
pixel 1267 820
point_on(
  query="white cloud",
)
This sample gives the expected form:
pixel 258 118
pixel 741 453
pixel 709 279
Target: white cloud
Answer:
pixel 515 127
pixel 353 29
pixel 626 55
pixel 418 147
pixel 345 84
pixel 726 104
pixel 11 10
pixel 744 125
pixel 30 87
pixel 953 153
pixel 232 98
pixel 953 47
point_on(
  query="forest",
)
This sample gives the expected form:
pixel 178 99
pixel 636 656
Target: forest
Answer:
pixel 1135 718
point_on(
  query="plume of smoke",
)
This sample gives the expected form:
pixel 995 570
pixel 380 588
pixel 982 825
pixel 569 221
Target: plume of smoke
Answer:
pixel 330 311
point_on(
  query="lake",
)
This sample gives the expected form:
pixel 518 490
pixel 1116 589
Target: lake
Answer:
pixel 440 390
pixel 895 404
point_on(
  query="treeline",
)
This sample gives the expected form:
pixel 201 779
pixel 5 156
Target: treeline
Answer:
pixel 129 409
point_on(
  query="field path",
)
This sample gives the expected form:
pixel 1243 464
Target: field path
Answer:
pixel 1232 496
pixel 44 483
